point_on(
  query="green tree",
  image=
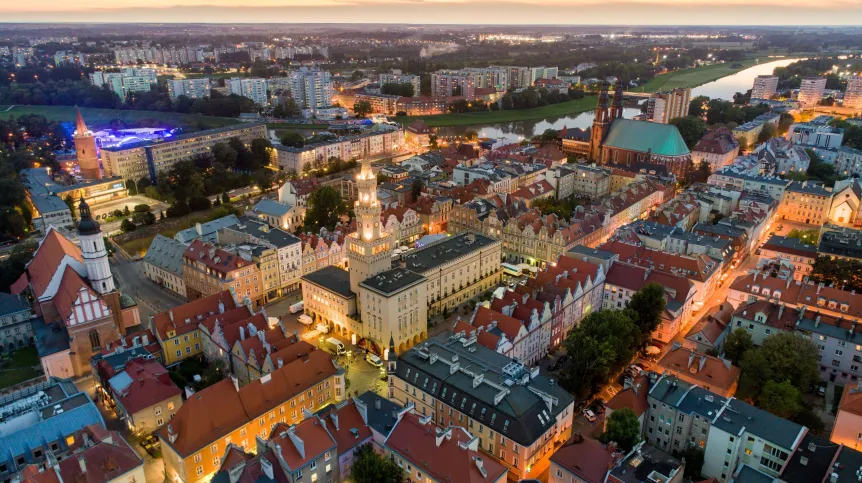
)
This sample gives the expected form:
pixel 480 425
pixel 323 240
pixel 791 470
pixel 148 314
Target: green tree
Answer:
pixel 225 198
pixel 783 357
pixel 357 74
pixel 132 187
pixel 143 184
pixel 784 123
pixel 841 272
pixel 261 152
pixel 780 399
pixel 549 135
pixel 416 189
pixel 370 467
pixel 809 237
pixel 767 132
pixel 224 154
pixel 71 204
pixel 325 206
pixel 293 139
pixel 362 108
pixel 646 307
pixel 13 266
pixel 263 178
pixel 694 458
pixel 195 186
pixel 736 345
pixel 623 428
pixel 744 145
pixel 127 225
pixel 691 129
pixel 403 89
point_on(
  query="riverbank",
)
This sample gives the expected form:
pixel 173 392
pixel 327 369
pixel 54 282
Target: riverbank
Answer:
pixel 104 117
pixel 493 117
pixel 693 77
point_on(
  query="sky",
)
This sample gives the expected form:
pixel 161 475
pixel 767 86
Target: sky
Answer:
pixel 516 12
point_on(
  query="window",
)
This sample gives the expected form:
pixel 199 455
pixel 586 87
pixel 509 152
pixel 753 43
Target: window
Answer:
pixel 214 448
pixel 313 465
pixel 199 470
pixel 215 461
pixel 158 410
pixel 197 458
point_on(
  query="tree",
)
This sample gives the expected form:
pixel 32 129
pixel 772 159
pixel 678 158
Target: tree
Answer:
pixel 744 145
pixel 690 128
pixel 784 123
pixel 403 89
pixel 371 467
pixel 549 135
pixel 263 178
pixel 126 211
pixel 357 74
pixel 362 108
pixel 71 204
pixel 416 189
pixel 783 357
pixel 809 237
pixel 224 154
pixel 781 399
pixel 694 458
pixel 293 139
pixel 261 153
pixel 325 206
pixel 127 225
pixel 225 198
pixel 646 307
pixel 143 184
pixel 767 132
pixel 623 429
pixel 840 272
pixel 736 345
pixel 132 187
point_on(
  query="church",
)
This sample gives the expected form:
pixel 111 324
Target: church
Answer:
pixel 72 289
pixel 616 141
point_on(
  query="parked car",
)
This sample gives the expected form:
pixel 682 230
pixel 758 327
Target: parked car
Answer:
pixel 373 360
pixel 591 416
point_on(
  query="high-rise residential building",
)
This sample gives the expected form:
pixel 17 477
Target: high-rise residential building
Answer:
pixel 128 81
pixel 193 88
pixel 398 78
pixel 537 73
pixel 69 58
pixel 664 106
pixel 811 91
pixel 453 83
pixel 254 89
pixel 853 94
pixel 311 88
pixel 148 72
pixel 764 87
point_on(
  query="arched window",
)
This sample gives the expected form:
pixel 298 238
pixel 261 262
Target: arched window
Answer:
pixel 95 340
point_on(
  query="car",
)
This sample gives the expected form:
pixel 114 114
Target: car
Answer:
pixel 821 391
pixel 591 416
pixel 373 360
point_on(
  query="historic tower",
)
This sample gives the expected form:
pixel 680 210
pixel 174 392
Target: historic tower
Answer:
pixel 369 249
pixel 93 251
pixel 85 148
pixel 617 106
pixel 601 125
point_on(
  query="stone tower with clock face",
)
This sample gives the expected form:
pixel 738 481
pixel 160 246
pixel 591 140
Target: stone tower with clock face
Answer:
pixel 369 249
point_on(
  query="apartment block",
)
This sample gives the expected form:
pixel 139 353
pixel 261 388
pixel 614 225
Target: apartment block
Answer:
pixel 311 88
pixel 811 91
pixel 518 416
pixel 208 270
pixel 254 89
pixel 853 93
pixel 396 77
pixel 765 87
pixel 664 106
pixel 224 414
pixel 192 88
pixel 805 202
pixel 452 83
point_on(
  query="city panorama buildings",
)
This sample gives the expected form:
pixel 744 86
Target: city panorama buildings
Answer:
pixel 382 298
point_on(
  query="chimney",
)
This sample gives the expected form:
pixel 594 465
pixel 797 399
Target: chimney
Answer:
pixel 267 468
pixel 220 307
pixel 235 382
pixel 242 333
pixel 297 441
pixel 170 314
pixel 280 363
pixel 812 447
pixel 145 339
pixel 817 321
pixel 83 463
pixel 480 464
pixel 780 311
pixel 691 357
pixel 172 436
pixel 377 403
pixel 442 434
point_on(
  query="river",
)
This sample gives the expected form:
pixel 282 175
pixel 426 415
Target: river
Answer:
pixel 513 132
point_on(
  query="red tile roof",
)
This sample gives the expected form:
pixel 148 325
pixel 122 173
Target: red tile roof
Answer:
pixel 184 318
pixel 851 399
pixel 448 461
pixel 634 397
pixel 214 258
pixel 710 371
pixel 341 421
pixel 47 259
pixel 151 384
pixel 586 458
pixel 70 289
pixel 106 461
pixel 316 441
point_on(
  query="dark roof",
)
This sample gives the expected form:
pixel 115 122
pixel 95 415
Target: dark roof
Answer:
pixel 809 187
pixel 50 338
pixel 817 463
pixel 11 304
pixel 275 237
pixel 740 415
pixel 641 466
pixel 391 281
pixel 331 278
pixel 520 414
pixel 846 243
pixel 785 244
pixel 182 137
pixel 849 460
pixel 381 420
pixel 748 474
pixel 442 252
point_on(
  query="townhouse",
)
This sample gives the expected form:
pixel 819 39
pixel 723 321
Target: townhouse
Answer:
pixel 711 373
pixel 196 439
pixel 163 264
pixel 806 202
pixel 794 250
pixel 518 416
pixel 208 270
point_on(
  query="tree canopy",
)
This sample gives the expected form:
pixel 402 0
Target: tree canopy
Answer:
pixel 325 206
pixel 623 428
pixel 371 467
pixel 691 129
pixel 782 357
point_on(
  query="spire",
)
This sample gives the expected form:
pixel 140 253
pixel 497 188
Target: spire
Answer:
pixel 391 346
pixel 87 225
pixel 80 125
pixel 617 109
pixel 602 106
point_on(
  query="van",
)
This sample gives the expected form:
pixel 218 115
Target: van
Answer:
pixel 295 308
pixel 305 320
pixel 336 346
pixel 373 360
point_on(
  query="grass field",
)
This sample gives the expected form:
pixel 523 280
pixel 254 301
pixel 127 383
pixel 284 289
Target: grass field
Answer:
pixel 103 117
pixel 20 367
pixel 693 77
pixel 492 117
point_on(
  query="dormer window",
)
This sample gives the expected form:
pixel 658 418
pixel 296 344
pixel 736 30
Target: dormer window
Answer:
pixel 845 307
pixel 755 289
pixel 765 292
pixel 833 304
pixel 821 301
pixel 777 294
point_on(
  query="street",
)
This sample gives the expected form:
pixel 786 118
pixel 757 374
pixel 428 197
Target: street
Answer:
pixel 151 298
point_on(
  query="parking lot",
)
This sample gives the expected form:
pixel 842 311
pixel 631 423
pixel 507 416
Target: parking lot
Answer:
pixel 103 209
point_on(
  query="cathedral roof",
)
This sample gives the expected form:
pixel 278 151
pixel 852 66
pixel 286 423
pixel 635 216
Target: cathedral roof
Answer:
pixel 643 136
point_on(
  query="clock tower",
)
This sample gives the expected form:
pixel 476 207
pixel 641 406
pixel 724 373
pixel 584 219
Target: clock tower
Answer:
pixel 369 249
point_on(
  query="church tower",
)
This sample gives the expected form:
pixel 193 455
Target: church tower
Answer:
pixel 617 107
pixel 93 251
pixel 601 125
pixel 85 148
pixel 369 249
